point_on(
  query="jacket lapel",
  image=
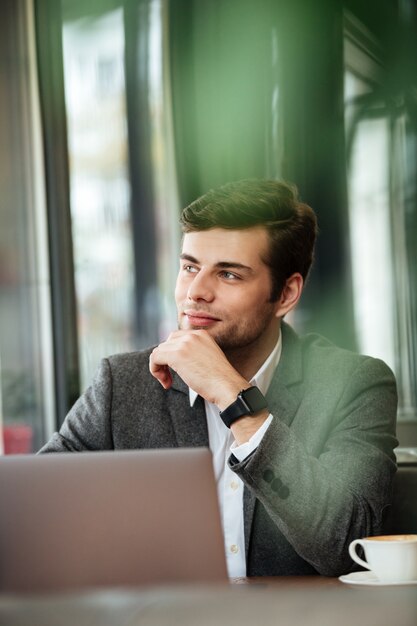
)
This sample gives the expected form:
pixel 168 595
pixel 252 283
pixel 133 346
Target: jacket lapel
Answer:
pixel 249 502
pixel 190 423
pixel 284 398
pixel 283 394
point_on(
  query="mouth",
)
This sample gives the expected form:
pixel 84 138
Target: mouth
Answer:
pixel 200 318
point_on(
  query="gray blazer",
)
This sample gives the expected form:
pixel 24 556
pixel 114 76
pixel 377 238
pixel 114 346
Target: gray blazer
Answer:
pixel 322 475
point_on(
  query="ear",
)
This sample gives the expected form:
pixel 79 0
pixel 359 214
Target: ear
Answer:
pixel 290 295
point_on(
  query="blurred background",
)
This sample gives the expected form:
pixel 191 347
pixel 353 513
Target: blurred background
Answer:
pixel 114 114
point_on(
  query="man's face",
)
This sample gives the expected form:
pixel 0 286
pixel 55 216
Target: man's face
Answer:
pixel 224 286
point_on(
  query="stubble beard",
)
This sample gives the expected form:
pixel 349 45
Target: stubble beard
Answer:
pixel 237 342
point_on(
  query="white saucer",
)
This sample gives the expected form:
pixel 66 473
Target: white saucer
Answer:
pixel 369 579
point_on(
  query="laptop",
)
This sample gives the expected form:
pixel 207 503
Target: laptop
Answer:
pixel 109 519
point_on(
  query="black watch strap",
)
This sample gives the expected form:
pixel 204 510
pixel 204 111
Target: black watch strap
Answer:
pixel 248 402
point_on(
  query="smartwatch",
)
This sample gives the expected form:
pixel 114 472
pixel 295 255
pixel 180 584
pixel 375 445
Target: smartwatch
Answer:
pixel 248 402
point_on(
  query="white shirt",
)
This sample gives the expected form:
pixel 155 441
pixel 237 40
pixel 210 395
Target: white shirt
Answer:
pixel 229 485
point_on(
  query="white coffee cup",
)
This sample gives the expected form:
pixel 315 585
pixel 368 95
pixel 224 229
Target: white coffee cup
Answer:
pixel 392 558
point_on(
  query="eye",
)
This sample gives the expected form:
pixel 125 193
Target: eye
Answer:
pixel 189 269
pixel 229 275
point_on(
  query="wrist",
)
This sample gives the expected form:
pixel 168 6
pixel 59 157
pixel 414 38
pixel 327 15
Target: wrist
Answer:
pixel 229 392
pixel 248 402
pixel 244 428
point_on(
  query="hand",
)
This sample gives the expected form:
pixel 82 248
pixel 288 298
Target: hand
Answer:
pixel 202 365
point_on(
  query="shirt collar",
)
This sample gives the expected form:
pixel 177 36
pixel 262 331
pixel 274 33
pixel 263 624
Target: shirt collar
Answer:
pixel 262 378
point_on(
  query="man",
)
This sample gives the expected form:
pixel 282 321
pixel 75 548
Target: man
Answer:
pixel 302 432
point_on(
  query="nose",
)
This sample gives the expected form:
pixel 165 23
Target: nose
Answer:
pixel 201 288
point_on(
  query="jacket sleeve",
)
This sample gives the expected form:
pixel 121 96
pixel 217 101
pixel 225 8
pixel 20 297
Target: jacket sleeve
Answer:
pixel 321 502
pixel 88 424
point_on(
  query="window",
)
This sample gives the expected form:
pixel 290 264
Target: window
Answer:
pixel 99 186
pixel 382 215
pixel 123 196
pixel 26 370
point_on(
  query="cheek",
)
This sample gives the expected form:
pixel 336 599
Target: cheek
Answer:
pixel 254 305
pixel 180 290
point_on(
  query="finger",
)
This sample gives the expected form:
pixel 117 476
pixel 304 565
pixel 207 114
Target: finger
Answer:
pixel 161 372
pixel 162 375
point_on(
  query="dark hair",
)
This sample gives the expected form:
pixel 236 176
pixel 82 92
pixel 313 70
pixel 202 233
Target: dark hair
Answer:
pixel 291 225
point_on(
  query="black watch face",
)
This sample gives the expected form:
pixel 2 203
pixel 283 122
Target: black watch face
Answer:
pixel 254 399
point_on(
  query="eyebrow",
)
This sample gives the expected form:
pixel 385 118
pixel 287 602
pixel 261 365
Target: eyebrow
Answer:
pixel 220 264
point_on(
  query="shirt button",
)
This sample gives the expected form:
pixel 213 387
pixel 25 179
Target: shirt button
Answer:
pixel 234 485
pixel 234 548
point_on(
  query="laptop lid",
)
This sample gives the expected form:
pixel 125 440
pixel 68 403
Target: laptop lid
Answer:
pixel 121 518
